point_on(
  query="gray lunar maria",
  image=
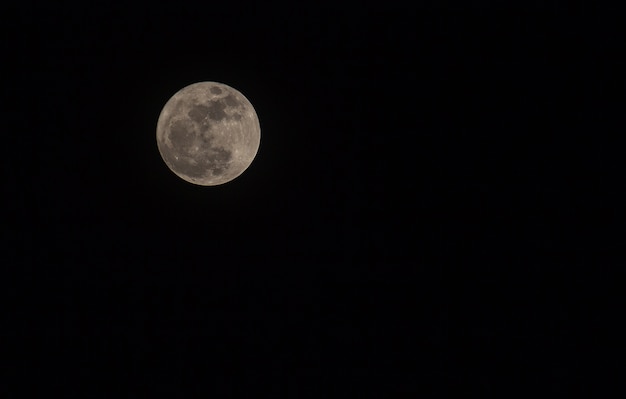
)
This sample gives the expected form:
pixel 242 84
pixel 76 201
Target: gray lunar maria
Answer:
pixel 208 133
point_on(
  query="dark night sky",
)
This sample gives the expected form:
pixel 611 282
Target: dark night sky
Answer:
pixel 437 202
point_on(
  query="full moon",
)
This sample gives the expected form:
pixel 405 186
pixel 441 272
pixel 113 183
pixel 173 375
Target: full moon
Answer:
pixel 208 133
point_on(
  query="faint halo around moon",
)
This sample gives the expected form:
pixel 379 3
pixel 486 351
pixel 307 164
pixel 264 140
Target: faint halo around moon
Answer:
pixel 208 133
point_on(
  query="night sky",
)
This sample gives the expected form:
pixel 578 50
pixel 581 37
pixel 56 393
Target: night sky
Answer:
pixel 437 203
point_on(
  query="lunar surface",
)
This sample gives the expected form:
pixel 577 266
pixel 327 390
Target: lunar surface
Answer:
pixel 208 133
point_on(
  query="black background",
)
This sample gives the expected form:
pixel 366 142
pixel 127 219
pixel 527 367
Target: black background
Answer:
pixel 437 203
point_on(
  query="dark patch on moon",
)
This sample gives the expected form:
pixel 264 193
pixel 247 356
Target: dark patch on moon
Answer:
pixel 218 159
pixel 198 113
pixel 216 90
pixel 206 135
pixel 231 101
pixel 216 110
pixel 219 155
pixel 181 134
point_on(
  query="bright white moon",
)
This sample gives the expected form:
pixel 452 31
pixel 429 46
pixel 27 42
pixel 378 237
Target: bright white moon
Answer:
pixel 208 133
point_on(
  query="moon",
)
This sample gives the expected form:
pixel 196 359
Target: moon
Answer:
pixel 208 133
